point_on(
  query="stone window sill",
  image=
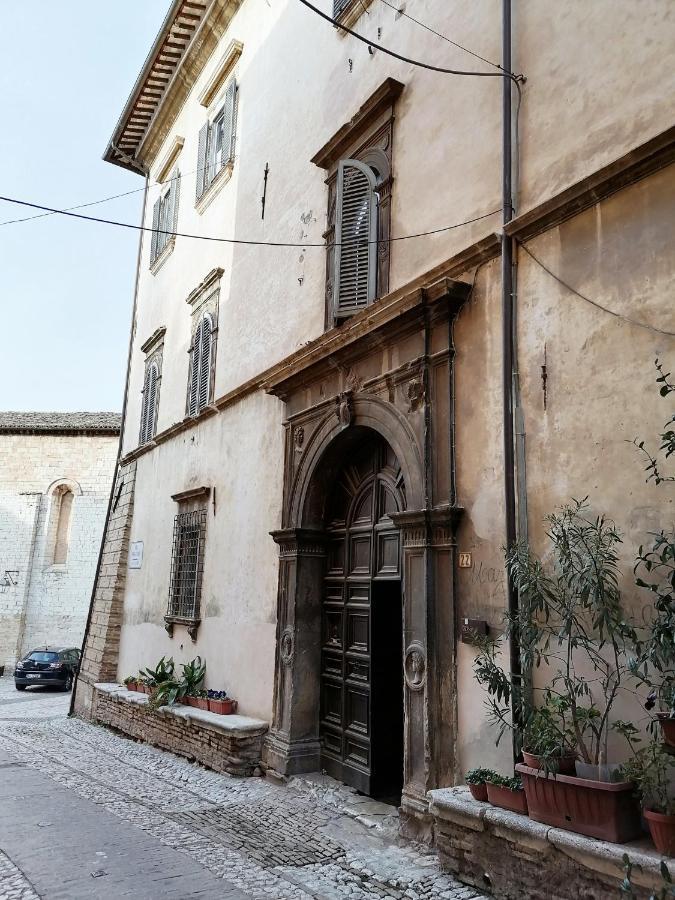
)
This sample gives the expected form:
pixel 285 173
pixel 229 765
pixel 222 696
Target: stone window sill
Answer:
pixel 214 188
pixel 232 724
pixel 163 256
pixel 192 625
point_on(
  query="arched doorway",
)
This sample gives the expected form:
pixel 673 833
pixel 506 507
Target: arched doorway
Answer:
pixel 361 673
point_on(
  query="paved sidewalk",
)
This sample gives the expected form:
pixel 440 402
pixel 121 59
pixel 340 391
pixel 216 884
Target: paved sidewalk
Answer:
pixel 87 813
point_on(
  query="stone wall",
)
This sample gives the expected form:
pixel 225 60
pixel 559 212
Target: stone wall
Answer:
pixel 231 744
pixel 101 653
pixel 507 854
pixel 42 602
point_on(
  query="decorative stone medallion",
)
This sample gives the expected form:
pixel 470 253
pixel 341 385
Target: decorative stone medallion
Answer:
pixel 287 646
pixel 415 666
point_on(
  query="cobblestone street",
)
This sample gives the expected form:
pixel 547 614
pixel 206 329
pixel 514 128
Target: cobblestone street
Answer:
pixel 88 813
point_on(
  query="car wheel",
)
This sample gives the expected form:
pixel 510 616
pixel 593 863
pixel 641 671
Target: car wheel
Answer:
pixel 20 687
pixel 68 683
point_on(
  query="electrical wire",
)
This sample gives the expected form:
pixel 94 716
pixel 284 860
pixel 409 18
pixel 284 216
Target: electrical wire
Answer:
pixel 401 12
pixel 594 303
pixel 203 237
pixel 406 59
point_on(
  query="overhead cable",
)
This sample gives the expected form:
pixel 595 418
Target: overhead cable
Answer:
pixel 400 10
pixel 406 59
pixel 203 237
pixel 594 303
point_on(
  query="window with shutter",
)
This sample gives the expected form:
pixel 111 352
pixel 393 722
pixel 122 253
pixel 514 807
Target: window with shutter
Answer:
pixel 204 388
pixel 149 406
pixel 339 6
pixel 216 141
pixel 193 387
pixel 165 217
pixel 356 230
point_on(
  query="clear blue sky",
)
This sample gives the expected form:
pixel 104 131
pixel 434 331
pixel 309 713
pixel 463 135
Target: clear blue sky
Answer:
pixel 66 287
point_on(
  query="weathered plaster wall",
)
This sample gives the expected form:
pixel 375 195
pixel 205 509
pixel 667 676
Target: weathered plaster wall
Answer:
pixel 239 454
pixel 48 603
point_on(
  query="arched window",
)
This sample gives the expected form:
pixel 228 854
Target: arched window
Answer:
pixel 62 511
pixel 356 235
pixel 149 406
pixel 201 362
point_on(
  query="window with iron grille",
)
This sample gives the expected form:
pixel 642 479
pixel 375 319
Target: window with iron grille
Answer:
pixel 215 147
pixel 187 564
pixel 165 217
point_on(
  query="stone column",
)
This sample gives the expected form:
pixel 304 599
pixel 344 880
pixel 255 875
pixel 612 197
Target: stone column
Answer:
pixel 292 745
pixel 427 538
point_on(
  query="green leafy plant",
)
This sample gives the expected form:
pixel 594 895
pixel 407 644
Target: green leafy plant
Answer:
pixel 162 672
pixel 168 692
pixel 572 621
pixel 651 770
pixel 667 447
pixel 513 784
pixel 131 679
pixel 194 673
pixel 626 887
pixel 480 776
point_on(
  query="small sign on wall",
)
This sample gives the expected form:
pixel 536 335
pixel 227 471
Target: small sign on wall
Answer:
pixel 465 561
pixel 136 555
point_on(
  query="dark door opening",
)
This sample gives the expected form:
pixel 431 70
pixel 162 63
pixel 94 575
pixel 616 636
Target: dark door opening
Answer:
pixel 361 722
pixel 387 692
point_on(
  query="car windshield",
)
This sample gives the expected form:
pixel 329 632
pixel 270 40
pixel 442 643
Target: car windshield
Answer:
pixel 42 656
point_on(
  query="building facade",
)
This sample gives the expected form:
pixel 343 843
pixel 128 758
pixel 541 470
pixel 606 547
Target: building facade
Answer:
pixel 56 471
pixel 315 415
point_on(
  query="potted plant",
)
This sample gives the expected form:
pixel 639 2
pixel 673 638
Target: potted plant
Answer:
pixel 130 683
pixel 220 703
pixel 651 770
pixel 507 793
pixel 193 676
pixel 571 622
pixel 198 699
pixel 477 781
pixel 162 672
pixel 548 740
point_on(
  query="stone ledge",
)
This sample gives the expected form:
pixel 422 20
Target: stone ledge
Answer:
pixel 505 853
pixel 231 744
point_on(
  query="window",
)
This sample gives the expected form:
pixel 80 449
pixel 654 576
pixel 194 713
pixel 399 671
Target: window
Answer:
pixel 358 164
pixel 187 563
pixel 154 352
pixel 149 406
pixel 348 11
pixel 201 365
pixel 60 519
pixel 215 149
pixel 165 218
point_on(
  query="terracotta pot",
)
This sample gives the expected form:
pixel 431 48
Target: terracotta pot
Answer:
pixel 131 686
pixel 198 702
pixel 565 763
pixel 599 809
pixel 662 830
pixel 505 798
pixel 222 707
pixel 479 792
pixel 667 728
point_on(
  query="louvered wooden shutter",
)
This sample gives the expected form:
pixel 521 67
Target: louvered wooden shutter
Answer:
pixel 356 237
pixel 205 363
pixel 201 160
pixel 339 6
pixel 155 225
pixel 144 410
pixel 172 219
pixel 229 123
pixel 151 399
pixel 193 391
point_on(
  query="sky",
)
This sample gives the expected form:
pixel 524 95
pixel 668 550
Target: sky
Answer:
pixel 66 286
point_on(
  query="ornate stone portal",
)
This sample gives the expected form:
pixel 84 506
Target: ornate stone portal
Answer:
pixel 384 382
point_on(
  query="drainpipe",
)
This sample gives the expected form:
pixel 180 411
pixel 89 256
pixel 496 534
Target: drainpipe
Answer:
pixel 508 349
pixel 119 445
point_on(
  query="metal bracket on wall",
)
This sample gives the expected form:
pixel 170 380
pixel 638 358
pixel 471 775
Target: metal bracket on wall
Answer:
pixel 9 579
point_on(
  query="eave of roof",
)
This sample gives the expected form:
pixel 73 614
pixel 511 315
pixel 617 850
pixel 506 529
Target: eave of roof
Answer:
pixel 177 32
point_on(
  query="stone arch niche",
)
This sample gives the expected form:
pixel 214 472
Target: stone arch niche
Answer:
pixel 317 448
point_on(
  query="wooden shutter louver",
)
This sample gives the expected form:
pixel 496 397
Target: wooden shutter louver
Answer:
pixel 194 372
pixel 229 123
pixel 172 223
pixel 155 225
pixel 148 408
pixel 204 363
pixel 339 6
pixel 355 281
pixel 201 160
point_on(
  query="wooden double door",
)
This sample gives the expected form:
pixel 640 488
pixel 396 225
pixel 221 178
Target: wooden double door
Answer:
pixel 362 638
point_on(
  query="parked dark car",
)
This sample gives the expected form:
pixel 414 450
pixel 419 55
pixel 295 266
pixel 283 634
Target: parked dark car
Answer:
pixel 48 666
